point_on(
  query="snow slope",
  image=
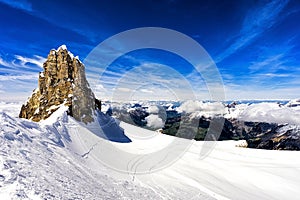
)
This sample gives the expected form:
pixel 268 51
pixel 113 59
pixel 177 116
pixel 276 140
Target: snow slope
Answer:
pixel 228 172
pixel 37 161
pixel 59 159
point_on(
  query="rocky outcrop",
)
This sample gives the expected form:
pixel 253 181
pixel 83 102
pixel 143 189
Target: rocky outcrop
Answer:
pixel 260 135
pixel 63 82
pixel 272 136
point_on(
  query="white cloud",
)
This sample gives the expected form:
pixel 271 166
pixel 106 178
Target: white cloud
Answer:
pixel 19 4
pixel 99 88
pixel 252 92
pixel 150 81
pixel 4 63
pixel 273 75
pixel 18 85
pixel 19 64
pixel 147 91
pixel 124 89
pixel 37 60
pixel 33 76
pixel 154 121
pixel 270 112
pixel 1 91
pixel 153 109
pixel 205 108
pixel 270 61
pixel 19 77
pixel 255 23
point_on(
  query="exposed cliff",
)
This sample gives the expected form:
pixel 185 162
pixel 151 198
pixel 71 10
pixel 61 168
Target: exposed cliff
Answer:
pixel 63 82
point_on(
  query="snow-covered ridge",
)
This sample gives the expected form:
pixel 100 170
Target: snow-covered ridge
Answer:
pixel 43 161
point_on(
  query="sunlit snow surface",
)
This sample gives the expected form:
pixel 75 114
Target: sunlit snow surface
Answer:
pixel 46 160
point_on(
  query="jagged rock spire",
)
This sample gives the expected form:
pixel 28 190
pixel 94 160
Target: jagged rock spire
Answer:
pixel 63 82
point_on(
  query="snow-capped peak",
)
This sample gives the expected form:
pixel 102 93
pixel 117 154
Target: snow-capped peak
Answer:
pixel 63 47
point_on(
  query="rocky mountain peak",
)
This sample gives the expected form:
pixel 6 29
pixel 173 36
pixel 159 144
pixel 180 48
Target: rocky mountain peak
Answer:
pixel 63 82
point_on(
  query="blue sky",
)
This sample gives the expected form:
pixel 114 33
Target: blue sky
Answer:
pixel 255 44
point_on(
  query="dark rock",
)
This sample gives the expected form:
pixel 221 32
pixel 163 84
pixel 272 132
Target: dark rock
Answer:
pixel 138 116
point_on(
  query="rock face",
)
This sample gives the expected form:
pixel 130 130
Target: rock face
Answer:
pixel 263 135
pixel 63 82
